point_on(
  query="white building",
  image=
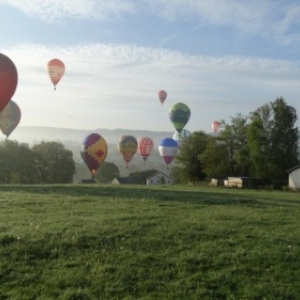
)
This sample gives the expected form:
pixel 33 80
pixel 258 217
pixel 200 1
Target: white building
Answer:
pixel 159 178
pixel 294 177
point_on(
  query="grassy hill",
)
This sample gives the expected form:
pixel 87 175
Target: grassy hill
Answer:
pixel 139 242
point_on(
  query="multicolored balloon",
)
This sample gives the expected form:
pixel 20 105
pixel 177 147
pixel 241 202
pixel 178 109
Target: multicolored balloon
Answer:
pixel 179 115
pixel 215 126
pixel 127 146
pixel 162 95
pixel 8 80
pixel 145 146
pixel 10 117
pixel 168 149
pixel 93 151
pixel 56 70
pixel 180 138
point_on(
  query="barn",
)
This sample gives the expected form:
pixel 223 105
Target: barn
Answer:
pixel 294 177
pixel 159 178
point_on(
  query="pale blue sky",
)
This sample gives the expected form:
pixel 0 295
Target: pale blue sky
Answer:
pixel 220 57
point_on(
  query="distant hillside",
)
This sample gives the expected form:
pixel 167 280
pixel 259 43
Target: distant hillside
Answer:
pixel 33 134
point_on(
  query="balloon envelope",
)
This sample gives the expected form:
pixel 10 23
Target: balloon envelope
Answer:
pixel 127 146
pixel 215 126
pixel 93 151
pixel 183 135
pixel 10 117
pixel 8 80
pixel 145 146
pixel 168 149
pixel 179 115
pixel 162 95
pixel 292 110
pixel 56 70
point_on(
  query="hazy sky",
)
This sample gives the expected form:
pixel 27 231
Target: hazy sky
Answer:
pixel 219 57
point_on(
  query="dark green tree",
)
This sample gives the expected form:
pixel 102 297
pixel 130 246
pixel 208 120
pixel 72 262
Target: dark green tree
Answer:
pixel 273 141
pixel 17 163
pixel 140 177
pixel 226 154
pixel 55 163
pixel 107 172
pixel 190 166
pixel 234 137
pixel 9 161
pixel 214 159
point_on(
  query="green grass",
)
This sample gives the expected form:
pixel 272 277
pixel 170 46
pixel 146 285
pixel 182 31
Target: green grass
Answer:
pixel 136 242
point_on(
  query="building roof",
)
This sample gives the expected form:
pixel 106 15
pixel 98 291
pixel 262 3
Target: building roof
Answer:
pixel 293 169
pixel 162 173
pixel 87 180
pixel 123 180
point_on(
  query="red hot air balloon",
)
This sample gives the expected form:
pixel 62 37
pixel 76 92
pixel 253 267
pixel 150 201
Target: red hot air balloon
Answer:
pixel 56 70
pixel 8 80
pixel 162 95
pixel 145 146
pixel 215 126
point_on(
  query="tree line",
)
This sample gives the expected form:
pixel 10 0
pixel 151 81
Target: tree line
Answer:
pixel 262 145
pixel 51 162
pixel 46 162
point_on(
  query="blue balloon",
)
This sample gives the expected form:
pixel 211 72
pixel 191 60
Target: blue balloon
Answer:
pixel 168 149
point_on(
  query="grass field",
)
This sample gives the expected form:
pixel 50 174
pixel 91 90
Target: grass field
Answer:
pixel 137 242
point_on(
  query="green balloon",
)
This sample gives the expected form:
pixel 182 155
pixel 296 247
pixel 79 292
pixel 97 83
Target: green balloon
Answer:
pixel 179 115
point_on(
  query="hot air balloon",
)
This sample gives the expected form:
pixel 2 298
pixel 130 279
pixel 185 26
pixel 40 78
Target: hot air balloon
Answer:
pixel 168 149
pixel 162 95
pixel 179 139
pixel 8 80
pixel 10 117
pixel 145 146
pixel 179 115
pixel 93 151
pixel 127 146
pixel 56 70
pixel 292 110
pixel 215 126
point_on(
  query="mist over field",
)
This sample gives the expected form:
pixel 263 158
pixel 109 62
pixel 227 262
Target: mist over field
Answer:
pixel 72 139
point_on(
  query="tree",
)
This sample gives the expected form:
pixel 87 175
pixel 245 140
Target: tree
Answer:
pixel 188 157
pixel 17 163
pixel 10 160
pixel 214 159
pixel 273 141
pixel 141 176
pixel 107 172
pixel 55 163
pixel 28 165
pixel 227 153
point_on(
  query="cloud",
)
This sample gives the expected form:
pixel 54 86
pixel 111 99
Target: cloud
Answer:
pixel 270 18
pixel 167 39
pixel 113 86
pixel 273 19
pixel 82 9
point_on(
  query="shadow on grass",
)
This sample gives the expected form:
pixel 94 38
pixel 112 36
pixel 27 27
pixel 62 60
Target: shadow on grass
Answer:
pixel 201 196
